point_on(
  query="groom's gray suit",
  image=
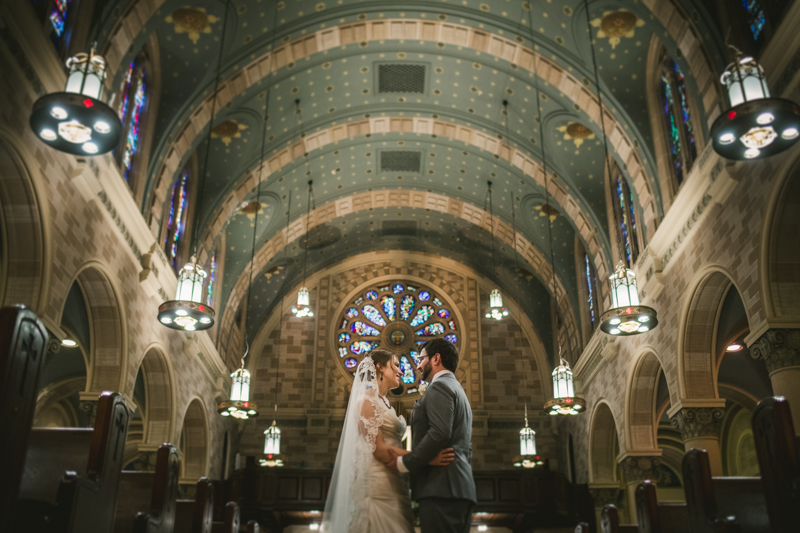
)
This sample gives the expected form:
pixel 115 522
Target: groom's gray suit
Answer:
pixel 446 494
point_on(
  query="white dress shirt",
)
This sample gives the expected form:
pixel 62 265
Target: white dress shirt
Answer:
pixel 400 465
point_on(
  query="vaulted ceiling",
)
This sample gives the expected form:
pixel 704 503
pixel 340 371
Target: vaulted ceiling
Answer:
pixel 404 96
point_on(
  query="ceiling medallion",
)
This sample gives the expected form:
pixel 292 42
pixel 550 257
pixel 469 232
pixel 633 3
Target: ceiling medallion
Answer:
pixel 77 121
pixel 615 25
pixel 228 130
pixel 192 21
pixel 755 125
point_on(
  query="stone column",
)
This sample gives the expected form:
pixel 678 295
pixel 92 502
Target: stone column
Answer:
pixel 603 494
pixel 699 427
pixel 780 351
pixel 636 469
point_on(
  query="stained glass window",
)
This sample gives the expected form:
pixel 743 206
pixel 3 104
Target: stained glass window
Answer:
pixel 373 315
pixel 359 300
pixel 391 318
pixel 682 146
pixel 176 222
pixel 58 17
pixel 625 218
pixel 755 17
pixel 212 279
pixel 422 316
pixel 591 285
pixel 124 92
pixel 407 370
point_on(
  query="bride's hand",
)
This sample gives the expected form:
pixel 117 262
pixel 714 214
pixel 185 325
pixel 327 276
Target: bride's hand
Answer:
pixel 398 452
pixel 444 458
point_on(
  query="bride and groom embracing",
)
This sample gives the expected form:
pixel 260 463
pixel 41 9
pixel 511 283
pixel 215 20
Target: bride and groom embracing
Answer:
pixel 369 488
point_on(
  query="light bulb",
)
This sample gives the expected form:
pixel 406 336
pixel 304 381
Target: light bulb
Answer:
pixel 727 138
pixel 48 134
pixel 102 127
pixel 90 148
pixel 765 118
pixel 752 153
pixel 614 331
pixel 166 320
pixel 790 133
pixel 59 112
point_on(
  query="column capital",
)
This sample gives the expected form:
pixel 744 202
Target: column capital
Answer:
pixel 694 422
pixel 778 348
pixel 603 496
pixel 640 467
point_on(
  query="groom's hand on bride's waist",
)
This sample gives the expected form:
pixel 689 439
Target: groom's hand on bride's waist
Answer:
pixel 391 464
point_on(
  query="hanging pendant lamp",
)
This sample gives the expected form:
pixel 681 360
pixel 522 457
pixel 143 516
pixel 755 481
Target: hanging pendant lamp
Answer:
pixel 187 312
pixel 756 125
pixel 496 309
pixel 564 401
pixel 76 120
pixel 303 308
pixel 527 457
pixel 239 405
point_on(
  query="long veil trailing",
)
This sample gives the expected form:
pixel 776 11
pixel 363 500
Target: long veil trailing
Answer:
pixel 350 483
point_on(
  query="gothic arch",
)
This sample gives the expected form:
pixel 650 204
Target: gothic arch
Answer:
pixel 194 442
pixel 24 245
pixel 603 442
pixel 697 361
pixel 159 413
pixel 108 345
pixel 641 412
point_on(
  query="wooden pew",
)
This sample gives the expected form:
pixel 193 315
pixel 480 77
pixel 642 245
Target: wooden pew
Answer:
pixel 609 521
pixel 252 527
pixel 722 504
pixel 196 516
pixel 23 343
pixel 583 527
pixel 72 474
pixel 657 517
pixel 777 451
pixel 155 492
pixel 232 520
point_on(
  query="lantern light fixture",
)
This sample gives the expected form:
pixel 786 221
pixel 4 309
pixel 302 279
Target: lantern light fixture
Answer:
pixel 272 446
pixel 627 316
pixel 756 125
pixel 564 401
pixel 496 309
pixel 76 120
pixel 303 308
pixel 187 312
pixel 239 405
pixel 527 457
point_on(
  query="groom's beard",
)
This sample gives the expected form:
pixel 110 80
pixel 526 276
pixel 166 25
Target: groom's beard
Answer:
pixel 426 372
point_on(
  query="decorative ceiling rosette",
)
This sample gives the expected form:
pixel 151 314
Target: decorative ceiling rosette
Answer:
pixel 398 317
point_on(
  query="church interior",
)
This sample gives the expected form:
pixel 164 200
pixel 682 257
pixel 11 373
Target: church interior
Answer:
pixel 212 210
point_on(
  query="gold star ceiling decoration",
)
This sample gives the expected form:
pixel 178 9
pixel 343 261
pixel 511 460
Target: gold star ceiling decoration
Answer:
pixel 617 24
pixel 227 131
pixel 576 132
pixel 250 209
pixel 193 21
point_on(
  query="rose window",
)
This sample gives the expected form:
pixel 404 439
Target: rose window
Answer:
pixel 397 317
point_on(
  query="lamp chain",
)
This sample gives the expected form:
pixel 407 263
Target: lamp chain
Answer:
pixel 544 170
pixel 308 228
pixel 280 309
pixel 607 161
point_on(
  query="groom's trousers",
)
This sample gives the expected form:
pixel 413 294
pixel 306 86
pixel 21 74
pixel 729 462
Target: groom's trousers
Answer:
pixel 445 515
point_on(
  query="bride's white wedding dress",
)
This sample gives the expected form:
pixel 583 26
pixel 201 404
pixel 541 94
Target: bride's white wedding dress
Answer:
pixel 365 496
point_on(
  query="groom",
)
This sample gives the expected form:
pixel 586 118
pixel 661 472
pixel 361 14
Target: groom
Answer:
pixel 441 419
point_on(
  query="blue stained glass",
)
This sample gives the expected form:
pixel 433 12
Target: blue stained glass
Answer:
pixel 755 17
pixel 397 289
pixel 407 370
pixel 132 140
pixel 126 86
pixel 58 22
pixel 406 306
pixel 443 313
pixel 388 306
pixel 364 329
pixel 415 356
pixel 424 313
pixel 212 278
pixel 685 116
pixel 342 351
pixel 437 301
pixel 352 312
pixel 424 296
pixel 372 295
pixel 590 285
pixel 451 338
pixel 177 218
pixel 350 363
pixel 420 343
pixel 674 133
pixel 430 330
pixel 359 300
pixel 623 226
pixel 344 337
pixel 360 347
pixel 373 315
pixel 452 325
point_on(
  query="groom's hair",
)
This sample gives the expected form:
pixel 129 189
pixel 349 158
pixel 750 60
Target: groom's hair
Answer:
pixel 445 349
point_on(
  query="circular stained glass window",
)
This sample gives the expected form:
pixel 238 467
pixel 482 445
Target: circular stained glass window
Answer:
pixel 398 317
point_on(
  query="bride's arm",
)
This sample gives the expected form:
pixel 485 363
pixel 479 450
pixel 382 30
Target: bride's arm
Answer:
pixel 369 427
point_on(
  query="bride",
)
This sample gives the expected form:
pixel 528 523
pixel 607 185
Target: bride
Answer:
pixel 364 495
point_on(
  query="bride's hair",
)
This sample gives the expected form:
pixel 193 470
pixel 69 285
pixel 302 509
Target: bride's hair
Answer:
pixel 381 357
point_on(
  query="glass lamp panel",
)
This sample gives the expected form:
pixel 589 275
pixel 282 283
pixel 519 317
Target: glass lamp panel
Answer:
pixel 74 81
pixel 495 299
pixel 236 390
pixel 303 298
pixel 527 441
pixel 272 441
pixel 197 288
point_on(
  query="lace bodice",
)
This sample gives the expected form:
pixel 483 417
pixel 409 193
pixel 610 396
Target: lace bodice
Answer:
pixel 379 417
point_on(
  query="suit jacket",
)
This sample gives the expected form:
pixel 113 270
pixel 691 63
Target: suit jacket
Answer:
pixel 442 419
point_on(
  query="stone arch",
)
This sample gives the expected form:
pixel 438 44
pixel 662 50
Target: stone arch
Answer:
pixel 603 443
pixel 159 412
pixel 194 441
pixel 24 259
pixel 780 255
pixel 641 413
pixel 107 355
pixel 398 198
pixel 697 361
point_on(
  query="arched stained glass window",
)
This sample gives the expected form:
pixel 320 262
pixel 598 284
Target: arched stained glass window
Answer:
pixel 391 317
pixel 132 105
pixel 756 19
pixel 212 279
pixel 682 145
pixel 625 219
pixel 591 285
pixel 176 221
